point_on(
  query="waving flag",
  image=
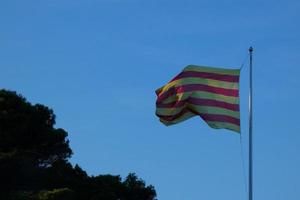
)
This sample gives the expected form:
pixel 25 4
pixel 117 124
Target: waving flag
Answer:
pixel 211 93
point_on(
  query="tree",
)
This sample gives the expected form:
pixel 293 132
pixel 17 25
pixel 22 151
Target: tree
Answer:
pixel 28 131
pixel 34 160
pixel 135 189
pixel 29 142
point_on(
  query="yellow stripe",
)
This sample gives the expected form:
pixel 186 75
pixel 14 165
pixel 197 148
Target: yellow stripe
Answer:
pixel 199 109
pixel 214 110
pixel 204 81
pixel 219 125
pixel 168 111
pixel 201 94
pixel 184 117
pixel 212 70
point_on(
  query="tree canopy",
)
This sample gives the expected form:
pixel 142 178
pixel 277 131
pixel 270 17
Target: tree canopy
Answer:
pixel 34 160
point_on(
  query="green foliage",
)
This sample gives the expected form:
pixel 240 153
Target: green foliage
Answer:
pixel 21 195
pixel 56 194
pixel 34 160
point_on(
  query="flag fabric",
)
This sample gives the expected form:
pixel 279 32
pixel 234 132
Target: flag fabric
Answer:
pixel 211 93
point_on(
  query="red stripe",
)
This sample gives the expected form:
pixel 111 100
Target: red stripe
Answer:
pixel 201 102
pixel 214 103
pixel 220 118
pixel 208 75
pixel 173 117
pixel 205 117
pixel 197 87
pixel 175 104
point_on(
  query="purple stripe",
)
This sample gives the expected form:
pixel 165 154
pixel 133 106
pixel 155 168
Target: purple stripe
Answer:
pixel 205 117
pixel 200 102
pixel 173 117
pixel 197 87
pixel 174 104
pixel 214 103
pixel 220 118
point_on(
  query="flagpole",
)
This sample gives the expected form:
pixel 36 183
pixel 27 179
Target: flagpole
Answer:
pixel 250 130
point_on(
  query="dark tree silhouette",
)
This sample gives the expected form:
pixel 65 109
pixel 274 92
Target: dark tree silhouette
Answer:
pixel 28 141
pixel 34 160
pixel 28 131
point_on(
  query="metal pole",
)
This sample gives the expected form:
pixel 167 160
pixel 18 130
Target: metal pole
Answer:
pixel 250 130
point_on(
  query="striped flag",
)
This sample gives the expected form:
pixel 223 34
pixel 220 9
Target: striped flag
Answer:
pixel 211 93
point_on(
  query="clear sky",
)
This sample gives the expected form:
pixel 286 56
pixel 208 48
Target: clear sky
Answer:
pixel 97 63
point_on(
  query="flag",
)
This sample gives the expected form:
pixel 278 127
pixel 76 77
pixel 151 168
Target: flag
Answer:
pixel 211 93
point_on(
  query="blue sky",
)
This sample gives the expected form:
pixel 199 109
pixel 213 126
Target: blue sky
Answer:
pixel 97 63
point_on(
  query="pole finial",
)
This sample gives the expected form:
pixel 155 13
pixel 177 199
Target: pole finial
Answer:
pixel 251 49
